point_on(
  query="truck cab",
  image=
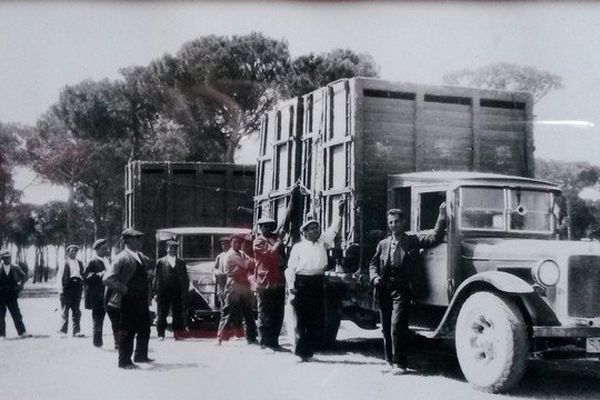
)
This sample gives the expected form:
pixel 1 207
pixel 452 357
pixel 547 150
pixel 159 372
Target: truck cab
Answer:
pixel 501 284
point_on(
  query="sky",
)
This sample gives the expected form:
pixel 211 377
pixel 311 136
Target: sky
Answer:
pixel 47 45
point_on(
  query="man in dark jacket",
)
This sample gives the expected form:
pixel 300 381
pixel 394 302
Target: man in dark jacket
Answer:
pixel 270 285
pixel 171 284
pixel 94 288
pixel 390 274
pixel 128 280
pixel 12 280
pixel 70 290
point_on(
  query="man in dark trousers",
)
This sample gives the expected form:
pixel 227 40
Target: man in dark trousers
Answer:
pixel 238 295
pixel 270 285
pixel 305 279
pixel 70 288
pixel 12 280
pixel 171 284
pixel 390 274
pixel 128 280
pixel 94 288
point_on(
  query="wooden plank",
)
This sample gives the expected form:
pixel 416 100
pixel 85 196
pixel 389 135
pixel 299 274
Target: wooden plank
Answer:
pixel 515 115
pixel 388 126
pixel 516 136
pixel 454 133
pixel 457 108
pixel 406 117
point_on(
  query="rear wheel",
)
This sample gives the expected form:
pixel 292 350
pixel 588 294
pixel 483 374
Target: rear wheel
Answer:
pixel 491 342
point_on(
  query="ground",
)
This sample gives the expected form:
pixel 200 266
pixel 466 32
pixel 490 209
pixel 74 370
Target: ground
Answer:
pixel 48 366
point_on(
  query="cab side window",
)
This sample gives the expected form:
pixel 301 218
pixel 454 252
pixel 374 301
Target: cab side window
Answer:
pixel 429 206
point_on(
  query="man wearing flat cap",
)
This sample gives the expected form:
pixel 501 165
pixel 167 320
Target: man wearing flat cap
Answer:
pixel 70 288
pixel 128 280
pixel 12 280
pixel 390 274
pixel 171 284
pixel 94 288
pixel 304 275
pixel 270 285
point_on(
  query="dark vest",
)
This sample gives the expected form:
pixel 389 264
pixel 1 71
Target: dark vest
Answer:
pixel 67 272
pixel 8 284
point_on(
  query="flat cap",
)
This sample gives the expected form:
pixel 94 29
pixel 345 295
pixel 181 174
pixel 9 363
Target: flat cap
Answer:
pixel 309 222
pixel 266 220
pixel 4 253
pixel 225 239
pixel 98 243
pixel 72 246
pixel 130 232
pixel 172 242
pixel 239 236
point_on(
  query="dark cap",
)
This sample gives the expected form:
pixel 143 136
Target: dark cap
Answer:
pixel 98 243
pixel 130 232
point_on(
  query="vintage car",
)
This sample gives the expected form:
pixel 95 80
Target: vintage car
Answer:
pixel 501 285
pixel 198 247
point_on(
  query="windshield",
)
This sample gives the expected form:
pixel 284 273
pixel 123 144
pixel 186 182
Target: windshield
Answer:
pixel 501 209
pixel 199 247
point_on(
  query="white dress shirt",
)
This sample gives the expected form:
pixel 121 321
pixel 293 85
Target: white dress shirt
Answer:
pixel 171 261
pixel 74 268
pixel 6 268
pixel 310 258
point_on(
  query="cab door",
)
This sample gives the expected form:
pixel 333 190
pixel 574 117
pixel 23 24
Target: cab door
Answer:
pixel 430 278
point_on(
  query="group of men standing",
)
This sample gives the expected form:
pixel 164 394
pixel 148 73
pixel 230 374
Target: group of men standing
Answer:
pixel 123 290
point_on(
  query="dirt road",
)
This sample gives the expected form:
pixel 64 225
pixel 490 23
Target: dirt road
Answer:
pixel 50 367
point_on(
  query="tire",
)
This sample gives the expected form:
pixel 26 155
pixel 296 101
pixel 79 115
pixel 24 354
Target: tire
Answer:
pixel 491 342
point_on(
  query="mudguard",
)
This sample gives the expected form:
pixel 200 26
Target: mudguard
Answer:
pixel 535 310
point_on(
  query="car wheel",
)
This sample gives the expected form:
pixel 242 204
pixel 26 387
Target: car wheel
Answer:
pixel 491 342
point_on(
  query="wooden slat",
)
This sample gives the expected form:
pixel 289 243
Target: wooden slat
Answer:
pixel 459 108
pixel 516 115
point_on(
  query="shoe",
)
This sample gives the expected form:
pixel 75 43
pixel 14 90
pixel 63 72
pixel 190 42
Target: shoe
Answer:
pixel 129 366
pixel 387 369
pixel 398 370
pixel 161 338
pixel 61 333
pixel 143 360
pixel 219 342
pixel 78 335
pixel 25 335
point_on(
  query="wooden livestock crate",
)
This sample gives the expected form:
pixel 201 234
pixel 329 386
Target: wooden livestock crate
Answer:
pixel 357 131
pixel 182 194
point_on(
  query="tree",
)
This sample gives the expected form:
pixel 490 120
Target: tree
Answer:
pixel 9 155
pixel 582 215
pixel 505 76
pixel 312 71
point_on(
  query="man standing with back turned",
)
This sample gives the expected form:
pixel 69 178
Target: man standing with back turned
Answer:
pixel 128 280
pixel 390 270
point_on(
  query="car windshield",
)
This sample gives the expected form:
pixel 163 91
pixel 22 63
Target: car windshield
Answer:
pixel 502 209
pixel 201 247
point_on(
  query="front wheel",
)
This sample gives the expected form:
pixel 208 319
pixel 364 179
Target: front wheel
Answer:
pixel 491 342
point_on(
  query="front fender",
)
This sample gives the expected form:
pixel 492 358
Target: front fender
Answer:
pixel 536 311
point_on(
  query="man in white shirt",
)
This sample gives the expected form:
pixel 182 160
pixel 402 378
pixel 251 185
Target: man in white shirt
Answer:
pixel 304 275
pixel 70 280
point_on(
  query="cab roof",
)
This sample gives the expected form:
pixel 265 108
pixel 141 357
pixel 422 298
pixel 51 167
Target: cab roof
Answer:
pixel 457 178
pixel 167 233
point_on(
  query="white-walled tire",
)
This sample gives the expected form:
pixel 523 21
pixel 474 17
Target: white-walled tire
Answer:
pixel 491 342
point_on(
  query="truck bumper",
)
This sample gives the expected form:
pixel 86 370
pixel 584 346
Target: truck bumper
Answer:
pixel 565 332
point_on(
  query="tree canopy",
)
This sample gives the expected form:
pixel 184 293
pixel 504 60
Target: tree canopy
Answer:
pixel 505 76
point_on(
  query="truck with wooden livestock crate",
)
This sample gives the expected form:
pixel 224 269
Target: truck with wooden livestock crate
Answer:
pixel 501 285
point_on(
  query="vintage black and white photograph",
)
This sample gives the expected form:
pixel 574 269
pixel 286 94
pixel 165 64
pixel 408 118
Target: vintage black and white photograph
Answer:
pixel 299 200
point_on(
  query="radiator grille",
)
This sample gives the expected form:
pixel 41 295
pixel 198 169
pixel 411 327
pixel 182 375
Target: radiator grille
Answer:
pixel 584 286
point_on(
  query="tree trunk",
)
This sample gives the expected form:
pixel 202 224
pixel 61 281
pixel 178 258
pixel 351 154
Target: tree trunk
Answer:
pixel 70 207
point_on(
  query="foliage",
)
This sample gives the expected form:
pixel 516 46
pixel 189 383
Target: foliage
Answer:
pixel 312 71
pixel 505 76
pixel 9 155
pixel 573 177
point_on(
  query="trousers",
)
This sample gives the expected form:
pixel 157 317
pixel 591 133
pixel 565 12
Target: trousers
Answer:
pixel 309 308
pixel 394 310
pixel 13 308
